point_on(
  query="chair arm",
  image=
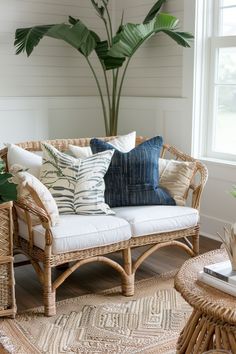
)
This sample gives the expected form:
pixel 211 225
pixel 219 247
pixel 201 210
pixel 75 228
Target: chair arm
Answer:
pixel 198 189
pixel 200 173
pixel 27 205
pixel 31 208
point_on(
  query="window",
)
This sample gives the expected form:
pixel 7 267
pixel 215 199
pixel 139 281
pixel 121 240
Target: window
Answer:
pixel 216 64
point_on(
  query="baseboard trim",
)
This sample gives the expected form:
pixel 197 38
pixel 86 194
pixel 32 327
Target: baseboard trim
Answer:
pixel 212 237
pixel 210 226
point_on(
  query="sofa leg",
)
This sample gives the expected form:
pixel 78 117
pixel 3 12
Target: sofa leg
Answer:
pixel 195 240
pixel 128 280
pixel 49 303
pixel 49 295
pixel 128 285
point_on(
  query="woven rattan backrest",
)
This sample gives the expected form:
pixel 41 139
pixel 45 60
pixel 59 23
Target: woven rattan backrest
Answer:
pixel 199 178
pixel 60 144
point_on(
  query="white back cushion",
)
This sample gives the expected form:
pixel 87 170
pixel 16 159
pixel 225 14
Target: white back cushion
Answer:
pixel 123 143
pixel 31 185
pixel 28 160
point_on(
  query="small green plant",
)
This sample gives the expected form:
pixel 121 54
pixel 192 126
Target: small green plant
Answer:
pixel 233 192
pixel 114 53
pixel 8 190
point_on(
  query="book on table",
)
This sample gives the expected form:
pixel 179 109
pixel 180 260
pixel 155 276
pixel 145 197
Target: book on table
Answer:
pixel 222 271
pixel 217 283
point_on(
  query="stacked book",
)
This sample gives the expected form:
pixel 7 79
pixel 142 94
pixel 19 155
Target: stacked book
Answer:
pixel 220 276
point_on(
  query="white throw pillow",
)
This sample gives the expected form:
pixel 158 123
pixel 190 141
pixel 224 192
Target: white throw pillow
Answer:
pixel 29 185
pixel 28 160
pixel 175 177
pixel 123 143
pixel 77 185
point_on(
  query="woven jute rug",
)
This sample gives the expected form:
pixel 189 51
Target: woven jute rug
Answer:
pixel 105 323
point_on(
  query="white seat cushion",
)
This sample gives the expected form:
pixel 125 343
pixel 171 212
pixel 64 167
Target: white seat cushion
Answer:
pixel 146 220
pixel 78 232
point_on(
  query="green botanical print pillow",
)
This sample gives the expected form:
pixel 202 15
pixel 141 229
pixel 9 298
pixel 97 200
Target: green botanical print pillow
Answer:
pixel 77 185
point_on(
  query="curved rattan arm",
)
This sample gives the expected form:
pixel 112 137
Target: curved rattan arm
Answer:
pixel 200 173
pixel 35 210
pixel 32 209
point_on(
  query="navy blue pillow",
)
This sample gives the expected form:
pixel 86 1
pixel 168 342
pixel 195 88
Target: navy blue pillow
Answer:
pixel 132 178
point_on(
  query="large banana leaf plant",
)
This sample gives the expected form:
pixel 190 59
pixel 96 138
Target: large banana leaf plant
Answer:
pixel 114 53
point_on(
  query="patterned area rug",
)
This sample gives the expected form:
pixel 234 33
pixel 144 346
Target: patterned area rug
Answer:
pixel 105 323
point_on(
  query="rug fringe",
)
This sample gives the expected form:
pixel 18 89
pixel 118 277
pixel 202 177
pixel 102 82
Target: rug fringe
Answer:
pixel 7 343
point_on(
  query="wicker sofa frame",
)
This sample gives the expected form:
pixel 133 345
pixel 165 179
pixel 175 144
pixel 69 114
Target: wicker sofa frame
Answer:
pixel 43 261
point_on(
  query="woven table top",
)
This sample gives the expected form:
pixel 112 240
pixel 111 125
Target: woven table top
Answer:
pixel 202 297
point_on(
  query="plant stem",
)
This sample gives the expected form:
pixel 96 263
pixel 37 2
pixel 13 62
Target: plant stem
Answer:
pixel 101 95
pixel 107 89
pixel 109 20
pixel 119 93
pixel 113 115
pixel 107 31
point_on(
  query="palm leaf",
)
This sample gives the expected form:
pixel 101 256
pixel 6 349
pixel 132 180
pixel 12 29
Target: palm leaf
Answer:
pixel 2 166
pixel 4 177
pixel 182 38
pixel 7 188
pixel 100 9
pixel 132 36
pixel 154 11
pixel 107 61
pixel 28 38
pixel 77 35
pixel 8 192
pixel 73 21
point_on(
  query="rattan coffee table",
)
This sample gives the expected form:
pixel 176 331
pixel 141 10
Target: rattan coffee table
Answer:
pixel 212 324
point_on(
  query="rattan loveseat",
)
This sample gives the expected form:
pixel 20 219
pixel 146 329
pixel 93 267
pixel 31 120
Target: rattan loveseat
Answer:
pixel 43 259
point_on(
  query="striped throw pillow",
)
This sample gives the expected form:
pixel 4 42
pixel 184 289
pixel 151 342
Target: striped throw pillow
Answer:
pixel 133 177
pixel 77 185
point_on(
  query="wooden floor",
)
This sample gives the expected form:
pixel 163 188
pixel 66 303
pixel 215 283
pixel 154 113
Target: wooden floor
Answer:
pixel 95 277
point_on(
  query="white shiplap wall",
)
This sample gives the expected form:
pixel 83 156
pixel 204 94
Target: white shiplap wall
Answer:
pixel 54 68
pixel 56 71
pixel 156 70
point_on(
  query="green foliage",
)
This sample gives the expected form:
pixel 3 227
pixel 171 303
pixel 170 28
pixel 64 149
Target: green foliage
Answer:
pixel 233 192
pixel 109 62
pixel 154 11
pixel 132 36
pixel 7 189
pixel 100 9
pixel 76 35
pixel 113 53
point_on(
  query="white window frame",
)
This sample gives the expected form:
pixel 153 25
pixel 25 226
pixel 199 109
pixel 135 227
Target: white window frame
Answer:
pixel 207 44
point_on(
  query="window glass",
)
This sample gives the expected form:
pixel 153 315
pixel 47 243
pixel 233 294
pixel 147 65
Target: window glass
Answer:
pixel 228 21
pixel 227 66
pixel 228 2
pixel 224 129
pixel 218 119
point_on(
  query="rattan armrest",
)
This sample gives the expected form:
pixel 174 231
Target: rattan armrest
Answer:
pixel 27 205
pixel 200 174
pixel 32 209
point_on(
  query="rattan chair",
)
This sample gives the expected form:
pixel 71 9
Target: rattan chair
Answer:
pixel 44 261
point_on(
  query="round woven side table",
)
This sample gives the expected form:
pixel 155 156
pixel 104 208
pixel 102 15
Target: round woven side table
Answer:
pixel 212 324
